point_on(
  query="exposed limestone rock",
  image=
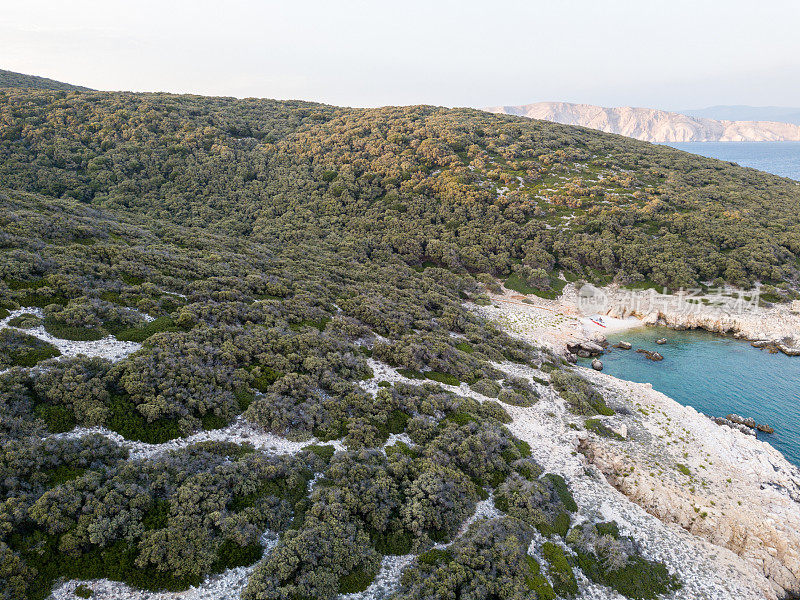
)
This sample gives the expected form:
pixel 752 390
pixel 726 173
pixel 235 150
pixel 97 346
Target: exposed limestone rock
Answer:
pixel 652 125
pixel 730 489
pixel 650 354
pixel 585 348
pixel 597 364
pixel 623 345
pixel 661 341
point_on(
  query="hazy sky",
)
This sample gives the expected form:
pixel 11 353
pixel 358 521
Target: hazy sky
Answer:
pixel 666 54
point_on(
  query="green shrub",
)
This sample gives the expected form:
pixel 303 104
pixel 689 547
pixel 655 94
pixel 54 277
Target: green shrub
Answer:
pixel 142 332
pixel 465 347
pixel 435 557
pixel 396 421
pixel 83 591
pixel 63 331
pixel 411 373
pixel 213 421
pixel 23 350
pixel 126 420
pixel 324 452
pixel 639 578
pixel 58 419
pixel 598 427
pixel 563 491
pixel 580 395
pixel 559 570
pixel 244 398
pixel 536 582
pixel 157 516
pixel 445 378
pixel 397 542
pixel 265 378
pixel 25 321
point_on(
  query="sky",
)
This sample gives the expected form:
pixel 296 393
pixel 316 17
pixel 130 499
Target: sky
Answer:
pixel 675 54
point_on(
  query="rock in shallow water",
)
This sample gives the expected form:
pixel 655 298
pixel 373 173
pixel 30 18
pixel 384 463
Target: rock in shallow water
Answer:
pixel 597 365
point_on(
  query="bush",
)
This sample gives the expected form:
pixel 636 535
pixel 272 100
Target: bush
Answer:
pixel 23 350
pixel 140 333
pixel 63 331
pixel 559 570
pixel 580 395
pixel 83 591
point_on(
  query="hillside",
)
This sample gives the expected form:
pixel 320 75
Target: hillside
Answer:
pixel 780 114
pixel 9 79
pixel 653 125
pixel 259 356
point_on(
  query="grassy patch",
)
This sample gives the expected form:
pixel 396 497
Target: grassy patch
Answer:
pixel 83 591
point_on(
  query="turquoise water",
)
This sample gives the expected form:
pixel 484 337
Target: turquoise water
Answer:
pixel 780 158
pixel 717 375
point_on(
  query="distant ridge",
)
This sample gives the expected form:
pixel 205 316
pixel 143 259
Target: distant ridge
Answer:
pixel 10 79
pixel 651 125
pixel 781 114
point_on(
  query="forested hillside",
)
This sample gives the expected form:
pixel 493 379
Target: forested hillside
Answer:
pixel 267 255
pixel 10 79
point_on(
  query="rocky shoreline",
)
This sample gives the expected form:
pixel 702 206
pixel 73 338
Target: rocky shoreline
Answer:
pixel 776 328
pixel 710 477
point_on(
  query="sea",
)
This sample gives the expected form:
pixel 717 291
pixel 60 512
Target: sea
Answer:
pixel 717 375
pixel 779 158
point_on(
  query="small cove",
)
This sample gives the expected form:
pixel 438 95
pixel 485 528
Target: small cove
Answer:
pixel 716 375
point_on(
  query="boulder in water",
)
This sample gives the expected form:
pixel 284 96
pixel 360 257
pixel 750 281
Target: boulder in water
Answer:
pixel 765 428
pixel 661 341
pixel 623 345
pixel 746 421
pixel 650 354
pixel 597 364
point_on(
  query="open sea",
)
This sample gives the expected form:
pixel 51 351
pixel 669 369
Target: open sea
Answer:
pixel 716 375
pixel 780 158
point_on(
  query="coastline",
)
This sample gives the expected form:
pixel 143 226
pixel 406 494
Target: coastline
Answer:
pixel 558 323
pixel 727 489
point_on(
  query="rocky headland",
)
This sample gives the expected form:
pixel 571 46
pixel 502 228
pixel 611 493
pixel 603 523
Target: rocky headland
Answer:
pixel 652 125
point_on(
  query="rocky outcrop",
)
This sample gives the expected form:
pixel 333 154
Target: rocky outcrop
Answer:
pixel 653 125
pixel 733 490
pixel 650 354
pixel 585 348
pixel 776 328
pixel 623 345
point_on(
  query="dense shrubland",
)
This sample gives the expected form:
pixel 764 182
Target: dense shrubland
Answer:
pixel 278 246
pixel 459 189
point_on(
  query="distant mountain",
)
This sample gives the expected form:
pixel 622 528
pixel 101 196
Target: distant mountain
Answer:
pixel 653 125
pixel 781 114
pixel 9 79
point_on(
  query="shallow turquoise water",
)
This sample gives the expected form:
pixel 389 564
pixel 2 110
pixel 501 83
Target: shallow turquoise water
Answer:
pixel 780 158
pixel 717 375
